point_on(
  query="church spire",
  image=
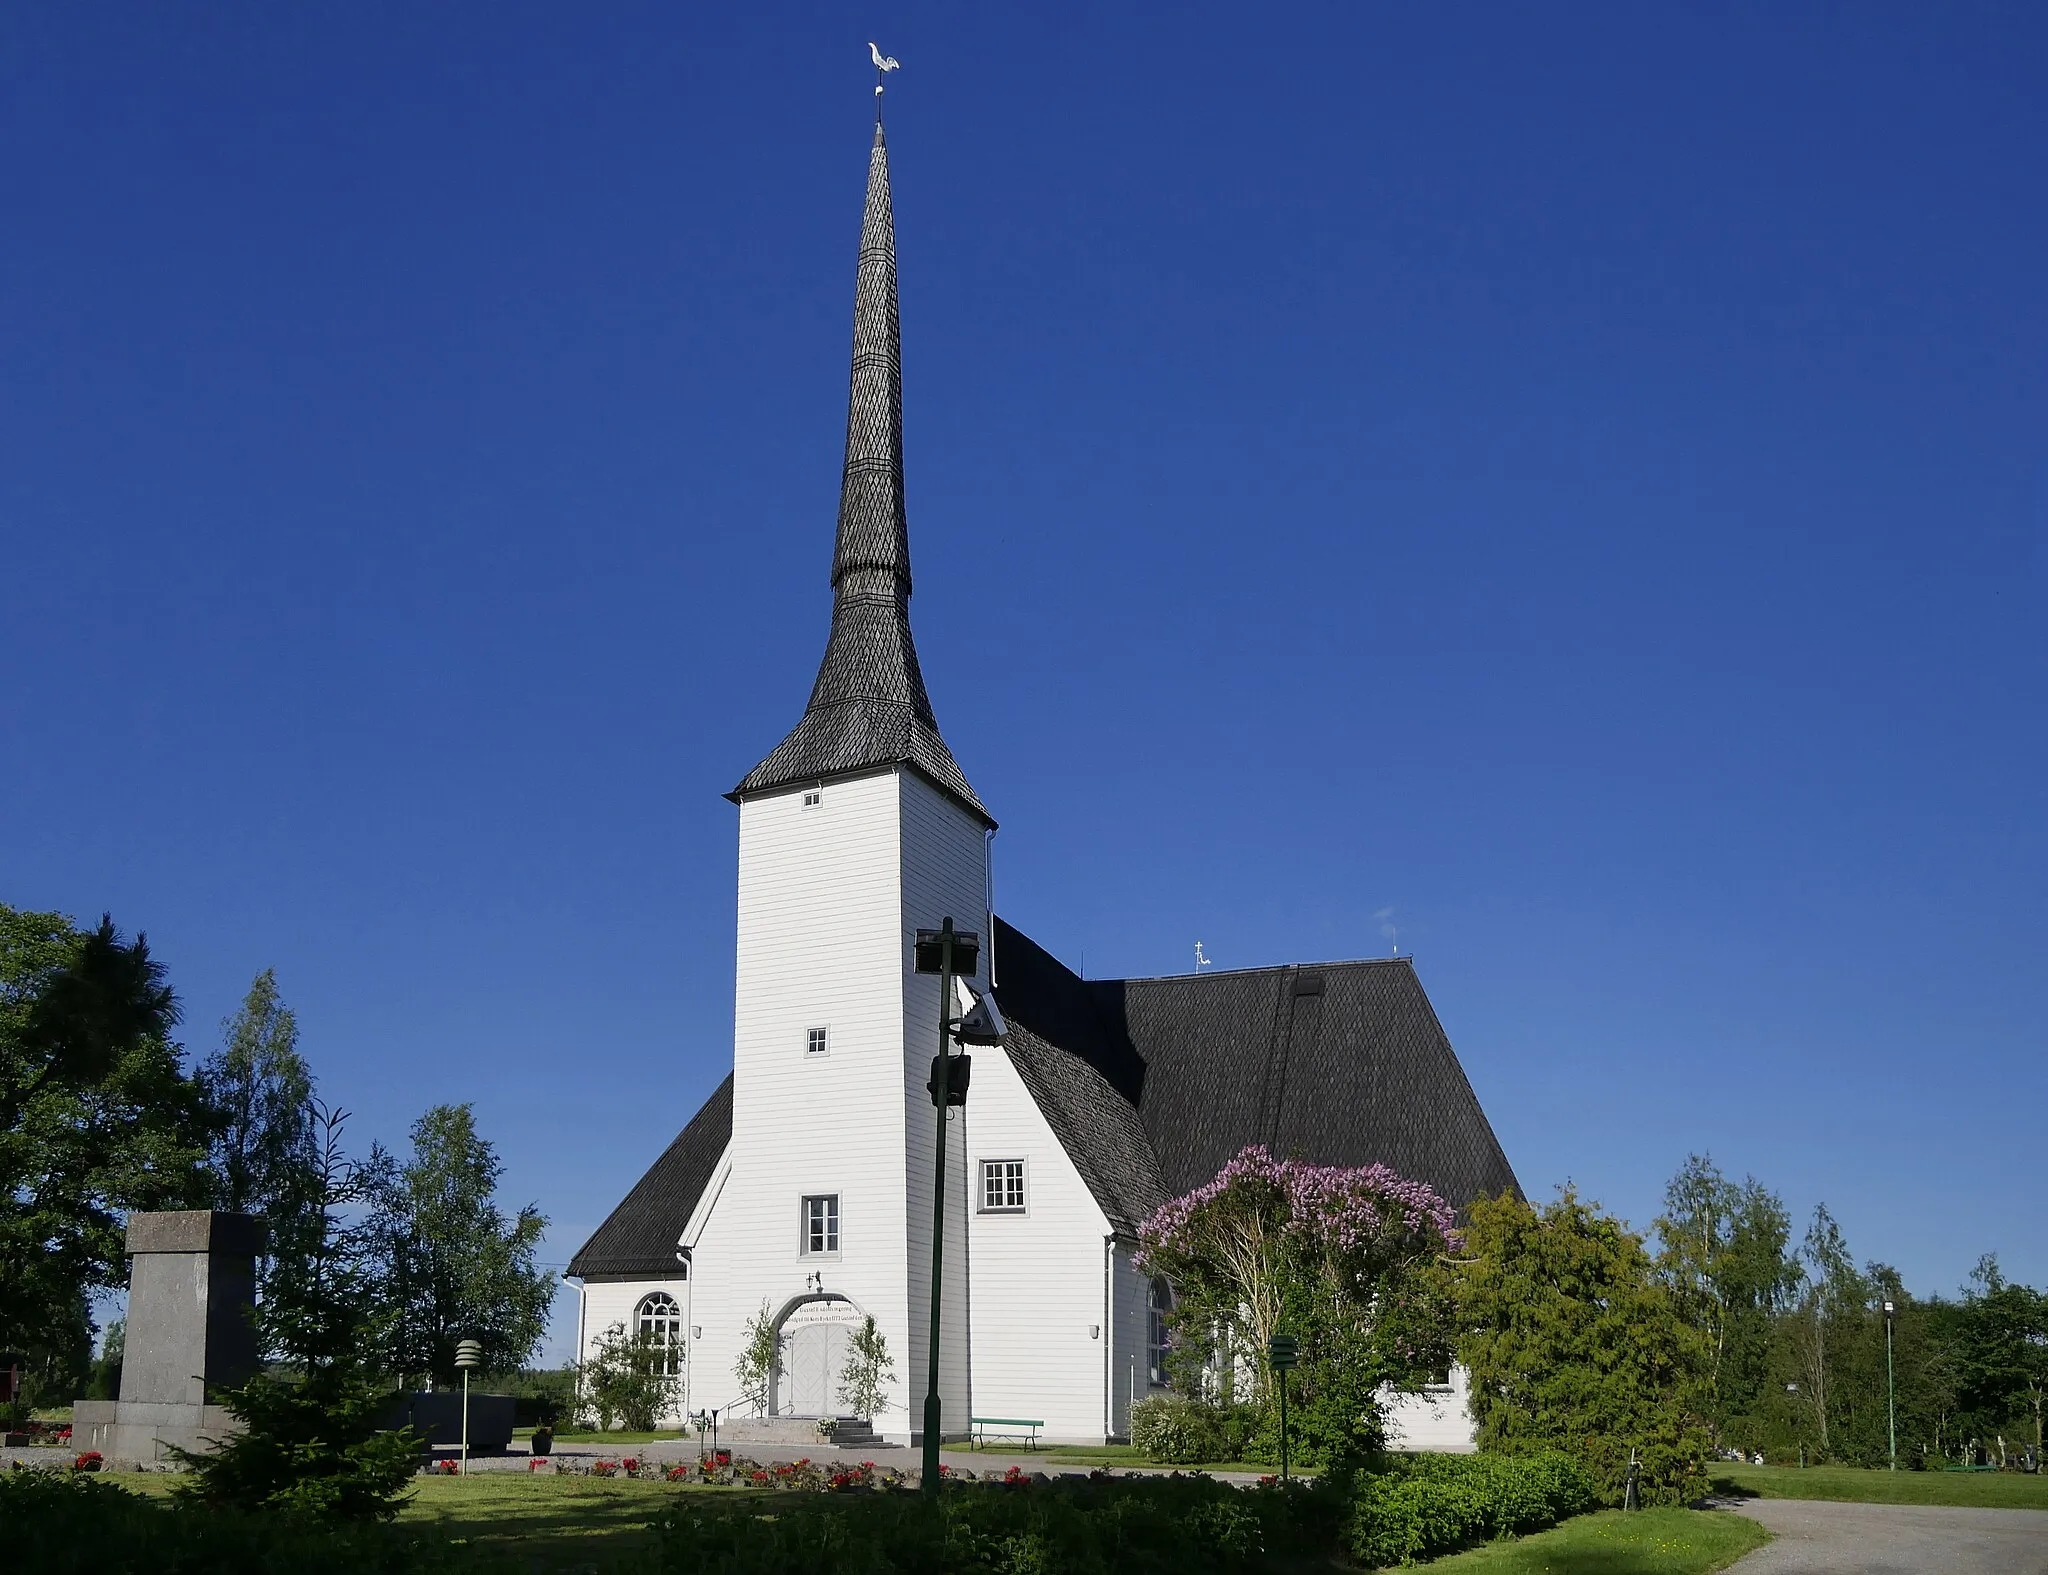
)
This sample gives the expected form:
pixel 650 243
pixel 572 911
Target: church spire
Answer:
pixel 869 707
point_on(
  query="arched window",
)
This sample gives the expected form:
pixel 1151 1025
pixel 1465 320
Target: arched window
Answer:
pixel 659 1320
pixel 1158 1303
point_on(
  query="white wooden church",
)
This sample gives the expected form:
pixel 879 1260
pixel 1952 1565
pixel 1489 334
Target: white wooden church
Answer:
pixel 1108 1096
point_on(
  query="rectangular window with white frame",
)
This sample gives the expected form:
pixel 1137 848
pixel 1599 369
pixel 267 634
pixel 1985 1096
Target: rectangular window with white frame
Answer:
pixel 817 1041
pixel 1002 1186
pixel 821 1224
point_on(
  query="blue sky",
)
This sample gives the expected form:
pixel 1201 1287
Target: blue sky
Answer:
pixel 1573 477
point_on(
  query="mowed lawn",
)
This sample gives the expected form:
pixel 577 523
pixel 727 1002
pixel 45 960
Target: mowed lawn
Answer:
pixel 1648 1542
pixel 1848 1484
pixel 563 1524
pixel 551 1522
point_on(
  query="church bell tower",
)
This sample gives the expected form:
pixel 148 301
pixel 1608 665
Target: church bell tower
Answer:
pixel 857 830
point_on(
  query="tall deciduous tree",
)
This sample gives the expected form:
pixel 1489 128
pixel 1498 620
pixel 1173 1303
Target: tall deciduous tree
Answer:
pixel 264 1154
pixel 97 1117
pixel 1722 1251
pixel 456 1266
pixel 2005 1348
pixel 1573 1343
pixel 1833 1301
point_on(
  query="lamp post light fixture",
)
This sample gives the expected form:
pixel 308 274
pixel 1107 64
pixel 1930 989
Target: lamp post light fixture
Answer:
pixel 1891 1393
pixel 953 955
pixel 1284 1352
pixel 468 1354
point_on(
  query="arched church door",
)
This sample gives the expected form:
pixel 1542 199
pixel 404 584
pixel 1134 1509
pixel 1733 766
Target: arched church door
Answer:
pixel 814 1340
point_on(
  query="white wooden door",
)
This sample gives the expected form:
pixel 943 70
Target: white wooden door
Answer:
pixel 813 1354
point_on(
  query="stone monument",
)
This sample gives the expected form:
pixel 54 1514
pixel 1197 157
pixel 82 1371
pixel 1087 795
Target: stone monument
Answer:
pixel 190 1289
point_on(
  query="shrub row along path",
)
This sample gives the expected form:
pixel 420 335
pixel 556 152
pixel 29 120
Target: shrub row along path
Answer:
pixel 1816 1537
pixel 667 1452
pixel 981 1462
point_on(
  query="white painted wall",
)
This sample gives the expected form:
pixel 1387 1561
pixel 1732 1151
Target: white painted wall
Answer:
pixel 1440 1422
pixel 828 900
pixel 607 1302
pixel 945 873
pixel 1039 1281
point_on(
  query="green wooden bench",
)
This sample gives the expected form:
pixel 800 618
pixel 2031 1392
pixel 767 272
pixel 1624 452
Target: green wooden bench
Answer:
pixel 983 1427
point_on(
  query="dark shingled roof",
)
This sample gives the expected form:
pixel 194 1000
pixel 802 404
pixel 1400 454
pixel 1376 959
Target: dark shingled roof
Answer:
pixel 1151 1085
pixel 1340 1063
pixel 869 707
pixel 640 1236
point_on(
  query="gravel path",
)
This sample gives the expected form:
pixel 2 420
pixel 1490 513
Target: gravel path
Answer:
pixel 1815 1538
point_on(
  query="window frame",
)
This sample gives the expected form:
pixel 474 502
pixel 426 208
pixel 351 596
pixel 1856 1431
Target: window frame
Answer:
pixel 1158 1339
pixel 817 1040
pixel 814 798
pixel 1023 1179
pixel 666 1321
pixel 831 1222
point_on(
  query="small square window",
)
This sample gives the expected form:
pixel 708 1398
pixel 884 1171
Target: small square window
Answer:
pixel 817 1041
pixel 813 797
pixel 1002 1186
pixel 821 1223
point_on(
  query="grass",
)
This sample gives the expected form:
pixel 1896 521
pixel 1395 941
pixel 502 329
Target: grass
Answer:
pixel 578 1524
pixel 1649 1542
pixel 1848 1484
pixel 550 1523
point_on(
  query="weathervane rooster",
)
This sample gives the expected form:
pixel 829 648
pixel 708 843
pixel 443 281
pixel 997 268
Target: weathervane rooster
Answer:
pixel 883 64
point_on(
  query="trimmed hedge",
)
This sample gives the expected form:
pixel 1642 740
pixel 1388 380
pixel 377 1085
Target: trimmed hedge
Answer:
pixel 1439 1503
pixel 1174 1525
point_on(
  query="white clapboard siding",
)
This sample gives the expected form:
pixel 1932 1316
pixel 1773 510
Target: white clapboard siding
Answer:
pixel 609 1302
pixel 1439 1422
pixel 1041 1285
pixel 945 874
pixel 828 899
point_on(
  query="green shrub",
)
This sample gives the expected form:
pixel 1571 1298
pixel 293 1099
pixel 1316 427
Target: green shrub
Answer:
pixel 1181 1430
pixel 311 1443
pixel 1439 1503
pixel 1095 1526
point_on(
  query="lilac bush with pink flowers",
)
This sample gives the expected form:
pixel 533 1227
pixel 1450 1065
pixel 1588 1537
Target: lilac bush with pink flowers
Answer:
pixel 1348 1260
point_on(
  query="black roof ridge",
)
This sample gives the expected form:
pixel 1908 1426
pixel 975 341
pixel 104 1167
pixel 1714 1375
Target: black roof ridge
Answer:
pixel 1241 973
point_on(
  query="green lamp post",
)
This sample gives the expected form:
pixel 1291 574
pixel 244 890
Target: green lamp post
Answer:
pixel 951 954
pixel 1283 1351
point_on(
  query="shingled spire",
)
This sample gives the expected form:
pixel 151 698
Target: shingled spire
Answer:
pixel 869 707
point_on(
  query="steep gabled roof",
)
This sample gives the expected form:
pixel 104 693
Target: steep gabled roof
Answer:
pixel 1153 1084
pixel 640 1236
pixel 1096 1125
pixel 869 707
